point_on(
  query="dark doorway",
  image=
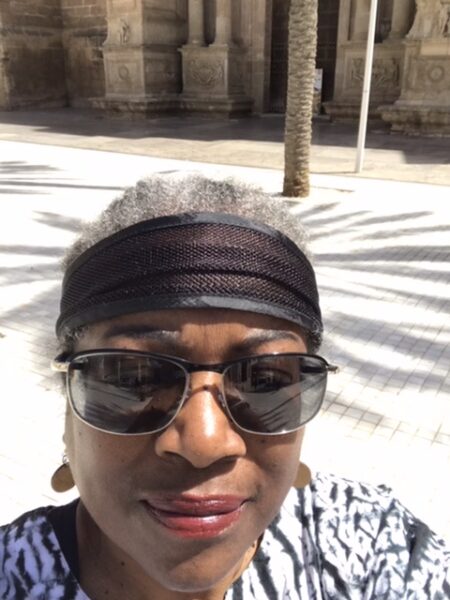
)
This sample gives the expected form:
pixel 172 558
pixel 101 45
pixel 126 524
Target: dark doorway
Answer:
pixel 326 50
pixel 278 74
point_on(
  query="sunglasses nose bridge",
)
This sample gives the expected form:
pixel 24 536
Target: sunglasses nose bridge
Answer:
pixel 195 368
pixel 202 372
pixel 215 386
pixel 198 367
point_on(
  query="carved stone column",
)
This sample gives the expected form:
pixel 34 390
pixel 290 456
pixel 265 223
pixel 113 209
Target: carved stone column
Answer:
pixel 349 73
pixel 214 76
pixel 223 23
pixel 345 14
pixel 257 25
pixel 361 12
pixel 142 64
pixel 196 23
pixel 401 18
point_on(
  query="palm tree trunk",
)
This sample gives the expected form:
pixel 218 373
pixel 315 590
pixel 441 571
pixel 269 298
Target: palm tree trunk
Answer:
pixel 303 18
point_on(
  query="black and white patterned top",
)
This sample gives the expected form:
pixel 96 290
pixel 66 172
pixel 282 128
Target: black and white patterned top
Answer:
pixel 334 540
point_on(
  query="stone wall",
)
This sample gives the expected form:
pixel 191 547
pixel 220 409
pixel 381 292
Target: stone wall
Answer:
pixel 394 20
pixel 31 57
pixel 84 31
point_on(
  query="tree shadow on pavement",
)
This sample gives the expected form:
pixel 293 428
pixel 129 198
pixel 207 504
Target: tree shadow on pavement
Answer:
pixel 16 167
pixel 58 221
pixel 39 269
pixel 20 177
pixel 388 277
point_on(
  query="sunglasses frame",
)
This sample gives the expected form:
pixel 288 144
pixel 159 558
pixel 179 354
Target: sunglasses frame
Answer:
pixel 62 363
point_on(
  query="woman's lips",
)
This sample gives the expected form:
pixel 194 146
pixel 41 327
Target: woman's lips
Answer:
pixel 196 517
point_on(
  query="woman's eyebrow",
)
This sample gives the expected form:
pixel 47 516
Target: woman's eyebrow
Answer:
pixel 142 332
pixel 263 336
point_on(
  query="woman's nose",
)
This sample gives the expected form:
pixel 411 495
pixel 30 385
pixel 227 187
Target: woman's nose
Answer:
pixel 202 433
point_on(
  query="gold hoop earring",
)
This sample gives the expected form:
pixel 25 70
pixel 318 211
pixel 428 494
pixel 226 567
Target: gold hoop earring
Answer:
pixel 303 477
pixel 62 478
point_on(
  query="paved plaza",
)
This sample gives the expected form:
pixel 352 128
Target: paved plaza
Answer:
pixel 382 256
pixel 251 142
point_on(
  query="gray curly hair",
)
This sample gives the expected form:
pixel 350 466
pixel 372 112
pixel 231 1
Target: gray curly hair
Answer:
pixel 159 196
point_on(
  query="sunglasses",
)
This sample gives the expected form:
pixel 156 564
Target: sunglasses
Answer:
pixel 135 393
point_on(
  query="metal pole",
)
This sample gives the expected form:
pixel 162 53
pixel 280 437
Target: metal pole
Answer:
pixel 366 87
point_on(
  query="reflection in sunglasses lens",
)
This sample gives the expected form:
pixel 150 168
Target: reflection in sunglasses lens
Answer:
pixel 275 394
pixel 126 394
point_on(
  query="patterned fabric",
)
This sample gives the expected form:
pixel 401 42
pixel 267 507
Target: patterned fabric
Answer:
pixel 334 540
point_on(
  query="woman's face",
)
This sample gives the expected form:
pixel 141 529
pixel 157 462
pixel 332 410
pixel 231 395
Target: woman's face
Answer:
pixel 201 465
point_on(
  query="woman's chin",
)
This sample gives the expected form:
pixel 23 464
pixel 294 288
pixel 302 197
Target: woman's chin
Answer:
pixel 214 568
pixel 190 579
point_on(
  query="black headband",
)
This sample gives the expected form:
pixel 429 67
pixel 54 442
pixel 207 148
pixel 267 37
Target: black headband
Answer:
pixel 196 260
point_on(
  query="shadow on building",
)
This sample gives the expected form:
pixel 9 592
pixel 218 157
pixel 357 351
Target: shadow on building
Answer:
pixel 223 58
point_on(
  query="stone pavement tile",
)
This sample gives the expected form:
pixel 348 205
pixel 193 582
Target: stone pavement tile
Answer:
pixel 383 432
pixel 347 423
pixel 359 434
pixel 371 418
pixel 442 438
pixel 407 428
pixel 401 438
pixel 445 424
pixel 365 427
pixel 426 434
pixel 354 413
pixel 336 408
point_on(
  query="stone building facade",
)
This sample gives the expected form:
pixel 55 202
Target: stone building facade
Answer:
pixel 222 57
pixel 411 72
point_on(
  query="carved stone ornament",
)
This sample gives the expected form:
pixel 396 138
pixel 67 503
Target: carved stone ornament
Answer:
pixel 206 73
pixel 124 73
pixel 385 73
pixel 356 72
pixel 436 73
pixel 431 21
pixel 426 74
pixel 124 32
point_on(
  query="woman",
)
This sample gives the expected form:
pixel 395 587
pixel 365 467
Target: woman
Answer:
pixel 188 330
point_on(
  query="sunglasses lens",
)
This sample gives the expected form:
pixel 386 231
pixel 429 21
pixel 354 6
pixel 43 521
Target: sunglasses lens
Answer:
pixel 275 394
pixel 125 393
